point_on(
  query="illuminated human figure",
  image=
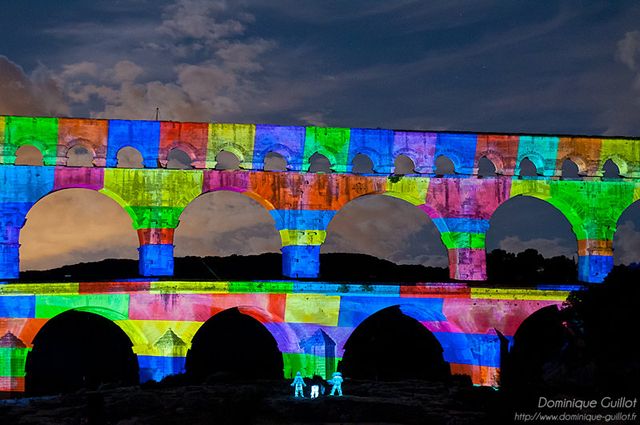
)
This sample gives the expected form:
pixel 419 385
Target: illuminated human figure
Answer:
pixel 315 391
pixel 298 383
pixel 336 381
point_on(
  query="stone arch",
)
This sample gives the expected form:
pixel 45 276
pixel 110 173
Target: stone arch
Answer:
pixel 523 363
pixel 489 166
pixel 263 214
pixel 620 162
pixel 201 349
pixel 536 159
pixel 134 151
pixel 627 252
pixel 187 148
pixel 179 159
pixel 577 160
pixel 109 319
pixel 239 151
pixel 64 150
pixel 435 246
pixel 362 169
pixel 569 165
pixel 23 150
pixel 281 150
pixel 448 159
pixel 410 164
pixel 284 336
pixel 402 313
pixel 319 156
pixel 496 159
pixel 273 157
pixel 84 187
pixel 237 161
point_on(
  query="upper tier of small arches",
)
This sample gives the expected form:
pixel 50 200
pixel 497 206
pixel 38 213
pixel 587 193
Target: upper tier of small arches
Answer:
pixel 162 144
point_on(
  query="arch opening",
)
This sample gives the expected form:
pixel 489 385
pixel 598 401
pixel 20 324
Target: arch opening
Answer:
pixel 232 225
pixel 77 350
pixel 486 168
pixel 403 165
pixel 234 345
pixel 389 345
pixel 319 163
pixel 73 226
pixel 380 237
pixel 129 157
pixel 626 239
pixel 226 160
pixel 538 353
pixel 570 169
pixel 610 170
pixel 29 155
pixel 178 160
pixel 273 161
pixel 444 166
pixel 530 241
pixel 528 168
pixel 79 156
pixel 362 164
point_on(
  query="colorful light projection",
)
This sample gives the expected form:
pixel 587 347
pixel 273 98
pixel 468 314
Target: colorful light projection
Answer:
pixel 303 204
pixel 311 322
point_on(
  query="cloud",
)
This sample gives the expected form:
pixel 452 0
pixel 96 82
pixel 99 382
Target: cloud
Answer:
pixel 39 93
pixel 387 228
pixel 75 225
pixel 626 243
pixel 629 49
pixel 546 247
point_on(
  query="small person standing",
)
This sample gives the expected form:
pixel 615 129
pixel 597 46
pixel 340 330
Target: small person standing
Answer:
pixel 316 382
pixel 336 381
pixel 298 383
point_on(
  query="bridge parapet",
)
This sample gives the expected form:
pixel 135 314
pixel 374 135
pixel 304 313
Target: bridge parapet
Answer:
pixel 162 317
pixel 202 142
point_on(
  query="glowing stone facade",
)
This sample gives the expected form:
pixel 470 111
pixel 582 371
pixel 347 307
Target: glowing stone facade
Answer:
pixel 303 204
pixel 310 321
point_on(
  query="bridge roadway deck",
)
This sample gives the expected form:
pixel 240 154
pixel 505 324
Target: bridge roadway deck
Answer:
pixel 310 321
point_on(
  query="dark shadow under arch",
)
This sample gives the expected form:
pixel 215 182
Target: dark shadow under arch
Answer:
pixel 79 350
pixel 444 166
pixel 390 346
pixel 402 165
pixel 528 168
pixel 537 352
pixel 234 345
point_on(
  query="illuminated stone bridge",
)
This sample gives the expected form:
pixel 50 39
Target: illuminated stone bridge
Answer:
pixel 302 204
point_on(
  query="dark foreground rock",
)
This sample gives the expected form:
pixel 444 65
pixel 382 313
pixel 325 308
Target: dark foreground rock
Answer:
pixel 266 402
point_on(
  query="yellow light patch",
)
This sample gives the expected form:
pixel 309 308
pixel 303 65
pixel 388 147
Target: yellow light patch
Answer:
pixel 152 330
pixel 518 294
pixel 312 308
pixel 187 287
pixel 302 237
pixel 413 190
pixel 66 288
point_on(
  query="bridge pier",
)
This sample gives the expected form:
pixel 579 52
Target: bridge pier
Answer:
pixel 155 252
pixel 302 232
pixel 595 260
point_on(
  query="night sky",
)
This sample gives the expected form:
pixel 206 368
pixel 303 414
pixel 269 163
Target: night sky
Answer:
pixel 525 67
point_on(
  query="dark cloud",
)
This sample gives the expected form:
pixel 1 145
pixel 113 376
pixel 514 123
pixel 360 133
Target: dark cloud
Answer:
pixel 543 67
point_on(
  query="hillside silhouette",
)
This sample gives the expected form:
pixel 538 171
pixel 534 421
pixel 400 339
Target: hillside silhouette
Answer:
pixel 522 269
